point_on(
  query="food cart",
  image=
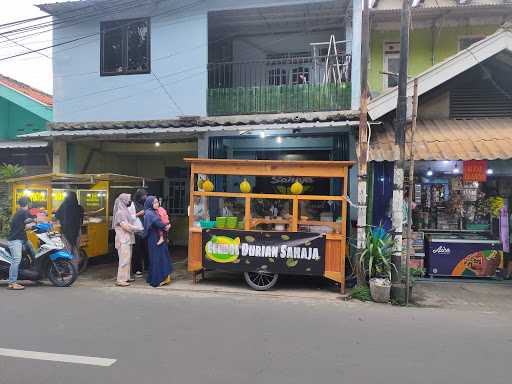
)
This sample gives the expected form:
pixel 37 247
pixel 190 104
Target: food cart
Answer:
pixel 95 192
pixel 266 234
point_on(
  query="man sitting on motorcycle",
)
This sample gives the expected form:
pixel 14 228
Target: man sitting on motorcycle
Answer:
pixel 18 241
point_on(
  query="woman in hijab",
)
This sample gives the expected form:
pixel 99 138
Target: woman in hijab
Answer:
pixel 122 223
pixel 159 259
pixel 71 217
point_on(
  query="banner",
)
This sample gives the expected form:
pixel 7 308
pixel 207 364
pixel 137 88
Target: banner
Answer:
pixel 475 170
pixel 295 253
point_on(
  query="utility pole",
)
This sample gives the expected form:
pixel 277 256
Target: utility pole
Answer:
pixel 411 188
pixel 363 142
pixel 397 289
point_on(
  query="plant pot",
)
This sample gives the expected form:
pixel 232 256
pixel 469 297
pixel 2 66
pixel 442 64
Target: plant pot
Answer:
pixel 380 289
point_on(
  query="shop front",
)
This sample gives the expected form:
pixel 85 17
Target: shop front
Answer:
pixel 461 190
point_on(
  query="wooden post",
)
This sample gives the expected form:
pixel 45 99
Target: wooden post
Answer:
pixel 247 225
pixel 295 214
pixel 411 187
pixel 363 144
pixel 344 227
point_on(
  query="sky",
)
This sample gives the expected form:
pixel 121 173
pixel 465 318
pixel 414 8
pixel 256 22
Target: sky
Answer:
pixel 33 69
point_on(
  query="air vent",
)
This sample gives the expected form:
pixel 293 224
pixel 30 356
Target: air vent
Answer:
pixel 486 102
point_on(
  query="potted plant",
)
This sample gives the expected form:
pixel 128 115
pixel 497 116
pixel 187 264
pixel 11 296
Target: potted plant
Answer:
pixel 375 262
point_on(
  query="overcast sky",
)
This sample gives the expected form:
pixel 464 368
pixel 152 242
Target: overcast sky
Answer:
pixel 33 69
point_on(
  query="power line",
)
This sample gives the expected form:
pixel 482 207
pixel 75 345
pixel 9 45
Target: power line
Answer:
pixel 66 22
pixel 68 99
pixel 190 6
pixel 168 94
pixel 27 48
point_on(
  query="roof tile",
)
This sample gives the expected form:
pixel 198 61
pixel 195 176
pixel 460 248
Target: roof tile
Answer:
pixel 27 90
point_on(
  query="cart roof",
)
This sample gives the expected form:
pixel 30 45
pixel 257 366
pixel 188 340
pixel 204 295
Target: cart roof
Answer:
pixel 271 167
pixel 78 178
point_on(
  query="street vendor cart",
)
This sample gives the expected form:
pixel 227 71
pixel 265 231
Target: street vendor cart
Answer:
pixel 284 230
pixel 95 192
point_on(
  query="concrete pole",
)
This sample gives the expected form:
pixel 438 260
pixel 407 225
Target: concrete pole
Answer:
pixel 363 143
pixel 60 157
pixel 357 19
pixel 397 288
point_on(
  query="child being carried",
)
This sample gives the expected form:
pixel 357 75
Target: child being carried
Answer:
pixel 162 213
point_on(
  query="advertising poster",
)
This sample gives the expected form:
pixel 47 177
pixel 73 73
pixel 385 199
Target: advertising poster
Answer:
pixel 475 170
pixel 295 253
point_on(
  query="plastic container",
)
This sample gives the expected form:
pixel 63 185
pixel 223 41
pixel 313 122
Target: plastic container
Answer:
pixel 220 222
pixel 231 222
pixel 207 224
pixel 477 227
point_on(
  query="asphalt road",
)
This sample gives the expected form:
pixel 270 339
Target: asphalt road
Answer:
pixel 158 336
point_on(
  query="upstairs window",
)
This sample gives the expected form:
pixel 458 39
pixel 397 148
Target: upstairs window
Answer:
pixel 391 64
pixel 125 47
pixel 467 41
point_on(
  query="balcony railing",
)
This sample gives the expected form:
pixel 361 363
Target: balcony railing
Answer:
pixel 278 85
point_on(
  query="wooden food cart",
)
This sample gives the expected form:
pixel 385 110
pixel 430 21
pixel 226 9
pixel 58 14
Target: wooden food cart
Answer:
pixel 263 245
pixel 95 193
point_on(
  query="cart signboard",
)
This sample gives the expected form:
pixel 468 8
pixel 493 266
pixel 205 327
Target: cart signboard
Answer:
pixel 299 253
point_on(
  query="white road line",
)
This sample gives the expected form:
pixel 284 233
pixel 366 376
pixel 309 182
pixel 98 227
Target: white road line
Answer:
pixel 73 359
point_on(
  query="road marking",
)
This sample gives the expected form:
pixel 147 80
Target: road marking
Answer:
pixel 73 359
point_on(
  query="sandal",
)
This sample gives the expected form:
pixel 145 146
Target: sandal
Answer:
pixel 15 287
pixel 122 284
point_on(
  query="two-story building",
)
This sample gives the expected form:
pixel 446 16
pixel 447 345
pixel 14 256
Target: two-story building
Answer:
pixel 140 85
pixel 439 29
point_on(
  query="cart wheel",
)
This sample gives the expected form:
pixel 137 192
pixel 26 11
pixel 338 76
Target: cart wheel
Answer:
pixel 261 281
pixel 83 261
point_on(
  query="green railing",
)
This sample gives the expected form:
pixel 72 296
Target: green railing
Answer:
pixel 279 99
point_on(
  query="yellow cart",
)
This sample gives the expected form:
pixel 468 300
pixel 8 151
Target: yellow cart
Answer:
pixel 95 192
pixel 264 244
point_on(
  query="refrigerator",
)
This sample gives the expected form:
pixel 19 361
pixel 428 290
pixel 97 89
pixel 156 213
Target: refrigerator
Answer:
pixel 464 255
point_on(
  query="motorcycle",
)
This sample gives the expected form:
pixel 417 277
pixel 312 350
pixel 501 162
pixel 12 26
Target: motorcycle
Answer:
pixel 51 259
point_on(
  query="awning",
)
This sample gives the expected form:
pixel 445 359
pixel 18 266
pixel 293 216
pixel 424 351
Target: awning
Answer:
pixel 482 139
pixel 145 130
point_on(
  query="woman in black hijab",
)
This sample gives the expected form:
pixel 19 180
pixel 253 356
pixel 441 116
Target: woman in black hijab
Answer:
pixel 140 260
pixel 71 217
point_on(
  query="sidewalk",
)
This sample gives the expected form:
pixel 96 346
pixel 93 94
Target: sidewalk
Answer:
pixel 463 294
pixel 294 287
pixel 482 296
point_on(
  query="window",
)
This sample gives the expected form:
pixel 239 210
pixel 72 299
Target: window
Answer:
pixel 300 75
pixel 125 47
pixel 391 64
pixel 178 196
pixel 277 76
pixel 467 41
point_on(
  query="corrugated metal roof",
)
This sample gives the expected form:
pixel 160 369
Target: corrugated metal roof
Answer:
pixel 210 121
pixel 178 132
pixel 482 139
pixel 22 144
pixel 397 4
